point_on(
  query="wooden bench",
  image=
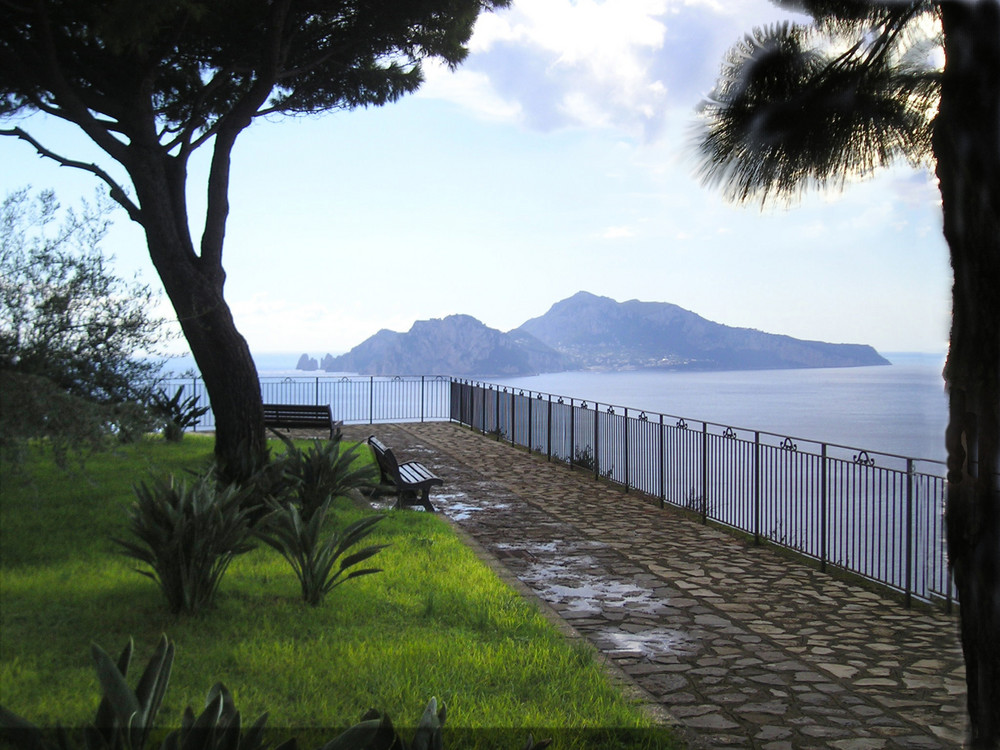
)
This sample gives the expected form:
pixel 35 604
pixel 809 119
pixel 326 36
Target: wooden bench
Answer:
pixel 412 480
pixel 300 416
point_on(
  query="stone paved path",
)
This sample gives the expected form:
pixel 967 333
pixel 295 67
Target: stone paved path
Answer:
pixel 740 646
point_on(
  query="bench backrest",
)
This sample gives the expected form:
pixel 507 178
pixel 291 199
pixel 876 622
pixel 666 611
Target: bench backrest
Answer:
pixel 292 412
pixel 387 462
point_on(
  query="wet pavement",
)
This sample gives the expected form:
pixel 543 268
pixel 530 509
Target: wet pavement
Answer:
pixel 733 644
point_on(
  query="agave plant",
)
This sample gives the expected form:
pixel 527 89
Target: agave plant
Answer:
pixel 325 470
pixel 375 732
pixel 125 716
pixel 187 535
pixel 177 413
pixel 313 558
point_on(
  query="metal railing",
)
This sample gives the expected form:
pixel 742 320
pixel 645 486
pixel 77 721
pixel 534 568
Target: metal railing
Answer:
pixel 353 400
pixel 876 515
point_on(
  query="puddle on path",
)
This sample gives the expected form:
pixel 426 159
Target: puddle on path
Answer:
pixel 456 506
pixel 568 574
pixel 647 643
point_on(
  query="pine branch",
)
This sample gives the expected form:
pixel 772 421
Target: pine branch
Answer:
pixel 116 191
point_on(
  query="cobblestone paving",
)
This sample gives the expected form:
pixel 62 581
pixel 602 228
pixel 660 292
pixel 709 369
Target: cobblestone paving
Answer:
pixel 741 647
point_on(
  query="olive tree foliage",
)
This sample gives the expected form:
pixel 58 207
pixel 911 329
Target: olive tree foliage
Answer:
pixel 864 85
pixel 76 341
pixel 153 83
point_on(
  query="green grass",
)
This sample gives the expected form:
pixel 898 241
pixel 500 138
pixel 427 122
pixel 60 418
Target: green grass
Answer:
pixel 436 622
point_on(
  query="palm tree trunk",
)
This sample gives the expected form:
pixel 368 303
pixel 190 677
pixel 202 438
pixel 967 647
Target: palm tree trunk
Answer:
pixel 967 149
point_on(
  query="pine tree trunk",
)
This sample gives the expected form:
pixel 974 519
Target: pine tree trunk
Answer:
pixel 194 284
pixel 967 149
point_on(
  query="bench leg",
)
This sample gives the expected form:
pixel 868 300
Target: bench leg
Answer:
pixel 425 500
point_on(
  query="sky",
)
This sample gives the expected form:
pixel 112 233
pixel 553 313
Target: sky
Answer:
pixel 558 158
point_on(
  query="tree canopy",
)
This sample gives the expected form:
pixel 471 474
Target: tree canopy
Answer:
pixel 152 82
pixel 866 83
pixel 77 343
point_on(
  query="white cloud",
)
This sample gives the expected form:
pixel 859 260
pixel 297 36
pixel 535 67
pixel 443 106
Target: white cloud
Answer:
pixel 596 64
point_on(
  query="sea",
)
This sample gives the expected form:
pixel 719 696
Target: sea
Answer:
pixel 900 409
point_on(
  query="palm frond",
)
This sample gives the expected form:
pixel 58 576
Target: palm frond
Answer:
pixel 796 108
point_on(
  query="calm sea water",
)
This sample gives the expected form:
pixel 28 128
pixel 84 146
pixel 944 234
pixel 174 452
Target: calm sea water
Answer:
pixel 901 409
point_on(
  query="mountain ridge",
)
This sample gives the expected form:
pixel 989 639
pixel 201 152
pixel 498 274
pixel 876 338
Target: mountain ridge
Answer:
pixel 589 332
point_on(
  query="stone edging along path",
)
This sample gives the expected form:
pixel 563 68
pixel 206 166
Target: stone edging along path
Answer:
pixel 733 644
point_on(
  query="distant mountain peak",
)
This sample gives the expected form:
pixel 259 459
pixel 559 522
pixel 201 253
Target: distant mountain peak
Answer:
pixel 587 331
pixel 605 334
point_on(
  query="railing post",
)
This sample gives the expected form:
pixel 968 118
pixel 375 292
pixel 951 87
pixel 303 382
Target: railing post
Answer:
pixel 548 430
pixel 628 479
pixel 597 418
pixel 823 510
pixel 531 439
pixel 909 532
pixel 497 423
pixel 756 487
pixel 663 467
pixel 704 472
pixel 513 421
pixel 572 433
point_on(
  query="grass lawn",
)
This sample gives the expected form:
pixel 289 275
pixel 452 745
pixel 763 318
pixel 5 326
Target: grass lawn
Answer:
pixel 436 622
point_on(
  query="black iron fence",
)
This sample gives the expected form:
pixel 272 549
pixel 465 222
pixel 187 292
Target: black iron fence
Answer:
pixel 876 515
pixel 354 400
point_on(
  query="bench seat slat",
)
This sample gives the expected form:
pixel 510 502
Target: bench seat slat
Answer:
pixel 410 479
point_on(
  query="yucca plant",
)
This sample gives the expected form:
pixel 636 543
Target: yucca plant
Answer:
pixel 177 413
pixel 187 535
pixel 314 558
pixel 125 716
pixel 325 470
pixel 376 732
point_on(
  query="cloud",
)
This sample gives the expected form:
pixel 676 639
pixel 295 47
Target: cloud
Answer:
pixel 596 64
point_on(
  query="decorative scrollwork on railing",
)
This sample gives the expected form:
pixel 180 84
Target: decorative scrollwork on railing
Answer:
pixel 643 417
pixel 289 380
pixel 864 459
pixel 681 424
pixel 729 434
pixel 397 379
pixel 539 397
pixel 611 410
pixel 345 379
pixel 583 405
pixel 788 445
pixel 560 400
pixel 520 392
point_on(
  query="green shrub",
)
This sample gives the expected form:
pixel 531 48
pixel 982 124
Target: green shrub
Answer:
pixel 326 470
pixel 188 535
pixel 300 541
pixel 125 718
pixel 177 414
